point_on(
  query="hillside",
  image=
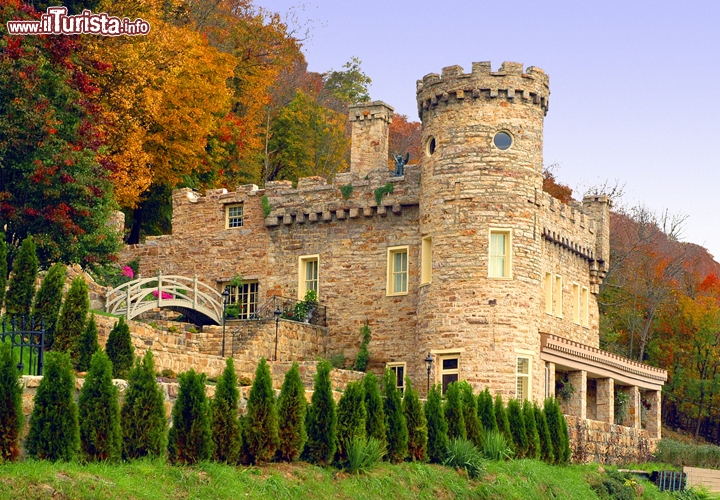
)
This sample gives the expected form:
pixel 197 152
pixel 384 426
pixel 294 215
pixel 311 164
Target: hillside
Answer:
pixel 155 480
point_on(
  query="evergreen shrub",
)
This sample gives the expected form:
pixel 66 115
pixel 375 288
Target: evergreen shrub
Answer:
pixel 48 301
pixel 3 268
pixel 54 433
pixel 142 417
pixel 416 424
pixel 120 349
pixel 473 427
pixel 501 418
pixel 375 414
pixel 517 428
pixel 533 438
pixel 21 289
pixel 225 425
pixel 11 416
pixel 99 413
pixel 350 417
pixel 88 345
pixel 73 319
pixel 292 410
pixel 396 427
pixel 437 425
pixel 546 447
pixel 189 439
pixel 486 411
pixel 454 412
pixel 321 422
pixel 557 427
pixel 262 418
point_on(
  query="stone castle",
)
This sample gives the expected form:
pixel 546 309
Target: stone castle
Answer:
pixel 462 259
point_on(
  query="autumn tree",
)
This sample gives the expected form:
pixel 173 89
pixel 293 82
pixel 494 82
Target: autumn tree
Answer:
pixel 53 183
pixel 554 188
pixel 404 137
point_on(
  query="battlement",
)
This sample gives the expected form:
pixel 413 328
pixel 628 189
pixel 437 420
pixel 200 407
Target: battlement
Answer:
pixel 509 82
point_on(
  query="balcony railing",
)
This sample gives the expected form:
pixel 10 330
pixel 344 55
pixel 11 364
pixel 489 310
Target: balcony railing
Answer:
pixel 292 309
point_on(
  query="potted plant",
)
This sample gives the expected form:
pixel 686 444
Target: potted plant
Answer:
pixel 232 311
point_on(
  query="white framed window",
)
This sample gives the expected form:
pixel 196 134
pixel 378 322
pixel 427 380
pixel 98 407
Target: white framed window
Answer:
pixel 548 293
pixel 245 297
pixel 397 270
pixel 522 377
pixel 449 370
pixel 426 261
pixel 500 258
pixel 585 301
pixel 399 370
pixel 308 275
pixel 577 305
pixel 558 296
pixel 233 215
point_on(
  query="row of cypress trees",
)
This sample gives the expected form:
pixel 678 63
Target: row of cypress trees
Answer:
pixel 212 429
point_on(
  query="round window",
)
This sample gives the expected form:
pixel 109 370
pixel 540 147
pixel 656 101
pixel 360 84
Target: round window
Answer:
pixel 430 146
pixel 502 140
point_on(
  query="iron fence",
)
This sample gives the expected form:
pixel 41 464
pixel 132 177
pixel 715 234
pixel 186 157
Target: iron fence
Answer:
pixel 292 309
pixel 29 338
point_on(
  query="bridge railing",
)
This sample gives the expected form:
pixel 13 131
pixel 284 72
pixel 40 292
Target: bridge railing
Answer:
pixel 143 294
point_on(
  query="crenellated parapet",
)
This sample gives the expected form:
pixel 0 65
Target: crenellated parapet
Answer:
pixel 314 200
pixel 509 83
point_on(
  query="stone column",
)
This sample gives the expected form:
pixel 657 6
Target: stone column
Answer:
pixel 550 379
pixel 653 421
pixel 578 401
pixel 633 414
pixel 605 410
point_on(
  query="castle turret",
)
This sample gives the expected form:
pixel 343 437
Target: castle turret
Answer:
pixel 480 177
pixel 370 129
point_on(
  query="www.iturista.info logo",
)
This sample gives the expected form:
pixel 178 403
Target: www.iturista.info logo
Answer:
pixel 57 22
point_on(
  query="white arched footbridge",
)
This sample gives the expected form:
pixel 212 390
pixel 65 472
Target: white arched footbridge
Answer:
pixel 188 296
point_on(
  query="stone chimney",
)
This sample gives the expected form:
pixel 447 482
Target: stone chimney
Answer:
pixel 370 128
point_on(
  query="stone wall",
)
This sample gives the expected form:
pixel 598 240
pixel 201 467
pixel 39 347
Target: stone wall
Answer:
pixel 605 443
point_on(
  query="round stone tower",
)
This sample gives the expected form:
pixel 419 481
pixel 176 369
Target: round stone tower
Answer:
pixel 481 177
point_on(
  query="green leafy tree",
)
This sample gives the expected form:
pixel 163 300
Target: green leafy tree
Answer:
pixel 437 426
pixel 321 423
pixel 225 425
pixel 473 427
pixel 546 447
pixel 350 418
pixel 262 418
pixel 73 319
pixel 454 412
pixel 88 345
pixel 21 290
pixel 11 416
pixel 501 418
pixel 190 440
pixel 3 268
pixel 49 299
pixel 416 424
pixel 99 413
pixel 486 411
pixel 397 433
pixel 517 427
pixel 54 432
pixel 349 85
pixel 363 355
pixel 292 410
pixel 557 427
pixel 533 438
pixel 144 426
pixel 120 349
pixel 375 421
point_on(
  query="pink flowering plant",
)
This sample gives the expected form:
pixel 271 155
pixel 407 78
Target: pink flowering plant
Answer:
pixel 165 295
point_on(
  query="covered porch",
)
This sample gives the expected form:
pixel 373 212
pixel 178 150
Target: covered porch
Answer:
pixel 596 385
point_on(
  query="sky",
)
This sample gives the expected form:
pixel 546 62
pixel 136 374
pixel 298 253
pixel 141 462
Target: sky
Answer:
pixel 634 84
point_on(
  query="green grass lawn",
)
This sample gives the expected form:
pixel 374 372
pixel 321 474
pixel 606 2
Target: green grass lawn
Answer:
pixel 147 479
